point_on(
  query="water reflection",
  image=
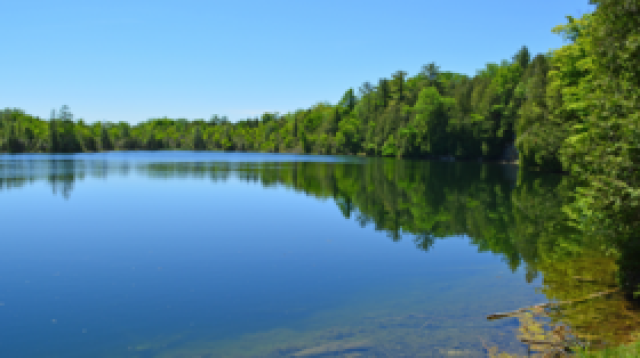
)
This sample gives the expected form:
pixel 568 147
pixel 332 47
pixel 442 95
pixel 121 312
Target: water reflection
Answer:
pixel 520 219
pixel 427 200
pixel 394 196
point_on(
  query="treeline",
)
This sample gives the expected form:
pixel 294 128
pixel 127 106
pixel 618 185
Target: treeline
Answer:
pixel 431 114
pixel 434 113
pixel 575 109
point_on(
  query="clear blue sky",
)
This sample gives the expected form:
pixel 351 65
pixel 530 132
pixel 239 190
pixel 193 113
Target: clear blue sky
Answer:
pixel 133 60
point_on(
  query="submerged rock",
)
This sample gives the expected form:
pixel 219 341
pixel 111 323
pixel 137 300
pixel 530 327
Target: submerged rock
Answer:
pixel 333 347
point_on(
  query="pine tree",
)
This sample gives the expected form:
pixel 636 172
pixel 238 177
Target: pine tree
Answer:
pixel 348 100
pixel 383 92
pixel 523 57
pixel 197 140
pixel 54 144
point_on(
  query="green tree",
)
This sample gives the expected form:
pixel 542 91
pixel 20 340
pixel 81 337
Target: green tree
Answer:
pixel 383 93
pixel 398 84
pixel 523 57
pixel 430 122
pixel 54 145
pixel 197 142
pixel 603 147
pixel 104 140
pixel 538 137
pixel 348 100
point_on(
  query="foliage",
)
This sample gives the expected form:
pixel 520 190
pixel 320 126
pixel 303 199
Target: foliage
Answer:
pixel 603 146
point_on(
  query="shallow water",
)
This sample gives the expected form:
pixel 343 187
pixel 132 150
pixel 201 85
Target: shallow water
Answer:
pixel 204 254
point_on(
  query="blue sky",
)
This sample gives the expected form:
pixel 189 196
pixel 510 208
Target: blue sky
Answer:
pixel 137 59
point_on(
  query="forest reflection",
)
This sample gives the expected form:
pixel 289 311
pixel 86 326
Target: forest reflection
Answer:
pixel 519 217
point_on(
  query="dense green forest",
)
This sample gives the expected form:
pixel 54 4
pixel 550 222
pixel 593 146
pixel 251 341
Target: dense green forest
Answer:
pixel 575 109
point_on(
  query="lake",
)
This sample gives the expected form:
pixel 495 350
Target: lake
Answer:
pixel 211 254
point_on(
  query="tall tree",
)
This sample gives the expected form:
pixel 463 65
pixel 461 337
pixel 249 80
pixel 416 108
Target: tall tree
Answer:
pixel 105 141
pixel 522 58
pixel 604 145
pixel 53 133
pixel 348 100
pixel 398 84
pixel 538 137
pixel 383 92
pixel 197 142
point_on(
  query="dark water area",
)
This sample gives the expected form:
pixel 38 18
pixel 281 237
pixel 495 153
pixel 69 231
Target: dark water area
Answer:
pixel 205 254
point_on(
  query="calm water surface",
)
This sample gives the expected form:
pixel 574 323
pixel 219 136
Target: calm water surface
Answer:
pixel 193 254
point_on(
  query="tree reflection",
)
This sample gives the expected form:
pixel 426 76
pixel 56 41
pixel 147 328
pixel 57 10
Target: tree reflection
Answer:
pixel 61 176
pixel 521 220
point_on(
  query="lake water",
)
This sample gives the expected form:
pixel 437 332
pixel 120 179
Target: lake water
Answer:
pixel 205 254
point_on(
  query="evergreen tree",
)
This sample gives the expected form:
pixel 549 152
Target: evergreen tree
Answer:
pixel 523 57
pixel 383 92
pixel 105 142
pixel 197 140
pixel 53 133
pixel 348 100
pixel 398 87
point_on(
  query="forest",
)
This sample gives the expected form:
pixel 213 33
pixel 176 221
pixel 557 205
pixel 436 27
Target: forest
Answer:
pixel 575 110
